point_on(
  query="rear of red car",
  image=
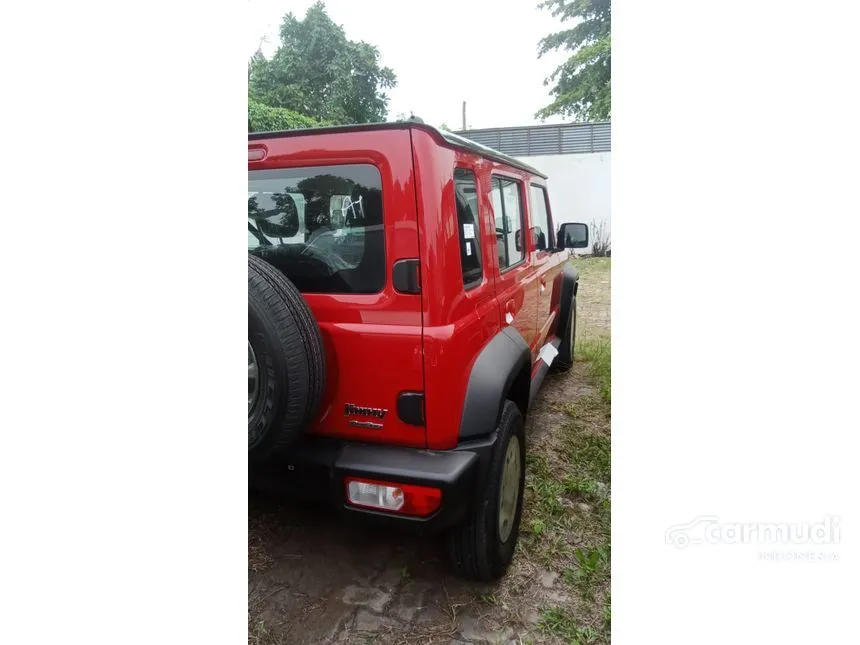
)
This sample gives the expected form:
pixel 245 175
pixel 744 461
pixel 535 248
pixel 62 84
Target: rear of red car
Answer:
pixel 336 212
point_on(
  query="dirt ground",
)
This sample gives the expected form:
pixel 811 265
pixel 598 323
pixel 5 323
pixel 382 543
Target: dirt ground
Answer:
pixel 313 577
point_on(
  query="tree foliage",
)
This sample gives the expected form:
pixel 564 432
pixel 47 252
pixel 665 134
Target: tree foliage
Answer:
pixel 263 118
pixel 581 85
pixel 318 72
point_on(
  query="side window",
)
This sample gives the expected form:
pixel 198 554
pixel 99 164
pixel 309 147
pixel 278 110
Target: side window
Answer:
pixel 541 224
pixel 507 206
pixel 466 196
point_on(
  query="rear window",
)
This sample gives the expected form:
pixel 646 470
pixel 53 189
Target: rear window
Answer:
pixel 320 225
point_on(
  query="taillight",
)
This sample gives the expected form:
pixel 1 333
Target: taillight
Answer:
pixel 404 499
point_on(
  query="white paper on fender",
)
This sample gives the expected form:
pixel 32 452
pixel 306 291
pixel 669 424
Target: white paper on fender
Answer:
pixel 548 353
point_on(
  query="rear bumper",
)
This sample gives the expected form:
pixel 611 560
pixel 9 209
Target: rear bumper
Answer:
pixel 316 467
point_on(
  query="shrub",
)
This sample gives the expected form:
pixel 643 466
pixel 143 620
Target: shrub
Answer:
pixel 264 118
pixel 600 244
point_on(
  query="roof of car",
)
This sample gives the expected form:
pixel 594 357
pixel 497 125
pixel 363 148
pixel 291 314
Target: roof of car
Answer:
pixel 449 138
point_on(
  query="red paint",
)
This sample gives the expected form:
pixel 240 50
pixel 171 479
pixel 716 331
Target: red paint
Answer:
pixel 378 345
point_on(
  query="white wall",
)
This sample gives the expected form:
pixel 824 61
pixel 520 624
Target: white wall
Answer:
pixel 578 186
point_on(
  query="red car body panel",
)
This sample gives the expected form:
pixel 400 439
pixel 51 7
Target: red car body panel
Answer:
pixel 380 345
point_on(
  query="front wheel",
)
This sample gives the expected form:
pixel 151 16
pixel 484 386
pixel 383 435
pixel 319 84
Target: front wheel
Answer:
pixel 564 360
pixel 482 546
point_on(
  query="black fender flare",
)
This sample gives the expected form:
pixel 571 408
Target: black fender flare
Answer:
pixel 495 374
pixel 569 287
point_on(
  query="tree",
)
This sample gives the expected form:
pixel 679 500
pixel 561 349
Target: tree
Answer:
pixel 262 118
pixel 318 72
pixel 582 86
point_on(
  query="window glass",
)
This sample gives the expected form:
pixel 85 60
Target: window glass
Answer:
pixel 466 196
pixel 541 225
pixel 321 226
pixel 507 206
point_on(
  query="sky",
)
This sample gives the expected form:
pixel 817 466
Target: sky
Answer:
pixel 443 52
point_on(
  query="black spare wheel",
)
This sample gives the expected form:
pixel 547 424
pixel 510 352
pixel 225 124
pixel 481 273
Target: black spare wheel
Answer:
pixel 286 364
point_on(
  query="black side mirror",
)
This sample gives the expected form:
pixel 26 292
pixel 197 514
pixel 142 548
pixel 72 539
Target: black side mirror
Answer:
pixel 572 235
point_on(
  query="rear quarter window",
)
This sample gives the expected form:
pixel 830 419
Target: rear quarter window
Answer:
pixel 468 223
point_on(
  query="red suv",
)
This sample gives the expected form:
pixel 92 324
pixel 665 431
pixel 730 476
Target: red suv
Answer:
pixel 407 294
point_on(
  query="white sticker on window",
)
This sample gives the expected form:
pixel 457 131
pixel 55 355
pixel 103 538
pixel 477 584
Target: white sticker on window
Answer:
pixel 468 249
pixel 469 231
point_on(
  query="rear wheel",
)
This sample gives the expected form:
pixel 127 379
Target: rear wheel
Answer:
pixel 482 546
pixel 286 366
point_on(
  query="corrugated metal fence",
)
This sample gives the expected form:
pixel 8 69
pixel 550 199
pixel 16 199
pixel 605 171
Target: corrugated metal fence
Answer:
pixel 567 138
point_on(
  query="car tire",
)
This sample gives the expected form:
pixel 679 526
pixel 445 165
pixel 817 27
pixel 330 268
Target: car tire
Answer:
pixel 286 362
pixel 564 361
pixel 478 547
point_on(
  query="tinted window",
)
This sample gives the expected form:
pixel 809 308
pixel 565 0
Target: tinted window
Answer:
pixel 466 195
pixel 508 211
pixel 321 226
pixel 542 227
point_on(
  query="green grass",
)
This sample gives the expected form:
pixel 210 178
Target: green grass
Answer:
pixel 590 571
pixel 568 523
pixel 486 599
pixel 592 458
pixel 573 504
pixel 597 351
pixel 561 622
pixel 536 527
pixel 580 488
pixel 589 267
pixel 607 613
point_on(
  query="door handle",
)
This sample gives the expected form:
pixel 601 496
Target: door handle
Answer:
pixel 509 312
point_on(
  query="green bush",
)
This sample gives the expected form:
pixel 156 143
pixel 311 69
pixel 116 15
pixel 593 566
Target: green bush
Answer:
pixel 263 118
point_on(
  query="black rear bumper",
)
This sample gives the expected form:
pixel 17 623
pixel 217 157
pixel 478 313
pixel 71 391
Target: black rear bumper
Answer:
pixel 316 467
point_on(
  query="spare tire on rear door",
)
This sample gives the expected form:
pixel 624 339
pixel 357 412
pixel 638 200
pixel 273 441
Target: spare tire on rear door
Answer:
pixel 286 364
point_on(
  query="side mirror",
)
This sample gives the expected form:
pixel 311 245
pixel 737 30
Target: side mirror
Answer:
pixel 572 235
